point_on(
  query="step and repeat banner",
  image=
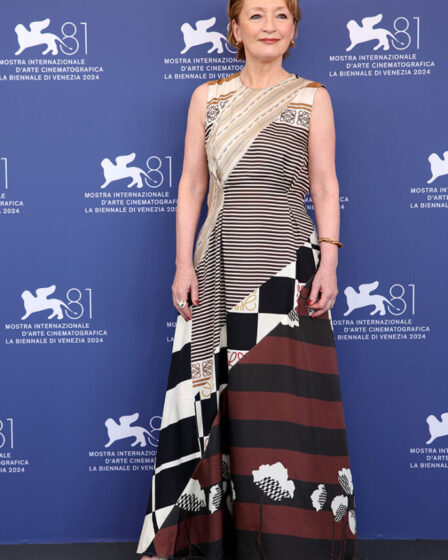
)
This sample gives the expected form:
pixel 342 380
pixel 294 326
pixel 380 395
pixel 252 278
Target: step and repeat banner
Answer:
pixel 94 99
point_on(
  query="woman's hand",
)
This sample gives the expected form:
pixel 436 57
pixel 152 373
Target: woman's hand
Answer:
pixel 185 282
pixel 325 282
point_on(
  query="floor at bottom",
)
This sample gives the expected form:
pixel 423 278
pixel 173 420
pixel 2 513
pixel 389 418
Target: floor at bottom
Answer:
pixel 368 550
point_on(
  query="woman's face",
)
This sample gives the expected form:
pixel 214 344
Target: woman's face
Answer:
pixel 265 27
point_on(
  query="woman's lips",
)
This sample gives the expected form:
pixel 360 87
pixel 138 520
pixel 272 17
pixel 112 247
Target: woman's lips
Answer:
pixel 269 41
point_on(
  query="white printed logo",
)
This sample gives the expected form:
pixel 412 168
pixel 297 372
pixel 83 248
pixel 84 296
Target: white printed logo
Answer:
pixel 202 36
pixel 364 298
pixel 35 37
pixel 119 170
pixel 78 303
pixel 438 165
pixel 437 428
pixel 39 302
pixel 123 429
pixel 366 32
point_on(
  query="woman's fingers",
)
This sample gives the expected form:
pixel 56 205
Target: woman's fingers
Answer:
pixel 184 311
pixel 185 284
pixel 321 306
pixel 314 293
pixel 194 293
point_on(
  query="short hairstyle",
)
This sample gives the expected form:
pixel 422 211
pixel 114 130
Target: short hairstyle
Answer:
pixel 234 9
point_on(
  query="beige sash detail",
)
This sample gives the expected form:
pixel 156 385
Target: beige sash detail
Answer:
pixel 238 124
pixel 240 121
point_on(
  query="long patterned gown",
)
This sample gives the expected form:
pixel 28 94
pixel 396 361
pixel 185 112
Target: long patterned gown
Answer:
pixel 252 461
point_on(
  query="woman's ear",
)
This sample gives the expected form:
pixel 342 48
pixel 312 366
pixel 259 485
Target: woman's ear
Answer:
pixel 236 31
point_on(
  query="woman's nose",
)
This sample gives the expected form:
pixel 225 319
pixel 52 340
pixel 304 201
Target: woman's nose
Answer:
pixel 269 23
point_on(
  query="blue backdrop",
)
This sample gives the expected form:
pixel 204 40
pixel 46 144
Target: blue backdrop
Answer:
pixel 94 98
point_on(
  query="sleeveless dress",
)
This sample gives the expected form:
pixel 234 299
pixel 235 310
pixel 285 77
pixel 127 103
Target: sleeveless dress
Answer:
pixel 252 460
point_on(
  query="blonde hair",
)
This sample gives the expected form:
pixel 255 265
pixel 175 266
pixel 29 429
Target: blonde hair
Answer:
pixel 234 9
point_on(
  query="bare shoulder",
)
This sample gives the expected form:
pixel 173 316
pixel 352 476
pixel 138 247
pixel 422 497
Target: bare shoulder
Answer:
pixel 198 103
pixel 322 111
pixel 200 92
pixel 322 99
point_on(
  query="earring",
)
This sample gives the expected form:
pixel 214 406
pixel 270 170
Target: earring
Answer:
pixel 239 44
pixel 292 44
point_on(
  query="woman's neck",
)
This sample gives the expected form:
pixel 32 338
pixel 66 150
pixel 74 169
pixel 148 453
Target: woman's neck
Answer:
pixel 258 75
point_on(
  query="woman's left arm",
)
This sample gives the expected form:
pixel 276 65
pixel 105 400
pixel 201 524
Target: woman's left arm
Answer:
pixel 324 191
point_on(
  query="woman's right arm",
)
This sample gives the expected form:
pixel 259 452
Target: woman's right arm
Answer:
pixel 191 193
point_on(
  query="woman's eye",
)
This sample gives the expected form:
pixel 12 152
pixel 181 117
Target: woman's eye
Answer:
pixel 256 16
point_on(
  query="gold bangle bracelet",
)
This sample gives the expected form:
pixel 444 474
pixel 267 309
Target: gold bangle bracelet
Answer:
pixel 329 240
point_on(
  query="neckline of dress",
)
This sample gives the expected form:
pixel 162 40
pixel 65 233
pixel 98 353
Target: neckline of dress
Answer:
pixel 291 75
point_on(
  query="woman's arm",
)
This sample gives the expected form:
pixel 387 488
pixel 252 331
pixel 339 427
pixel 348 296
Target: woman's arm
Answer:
pixel 194 179
pixel 192 189
pixel 324 191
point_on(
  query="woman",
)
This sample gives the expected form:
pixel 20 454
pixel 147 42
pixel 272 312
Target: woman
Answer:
pixel 252 459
